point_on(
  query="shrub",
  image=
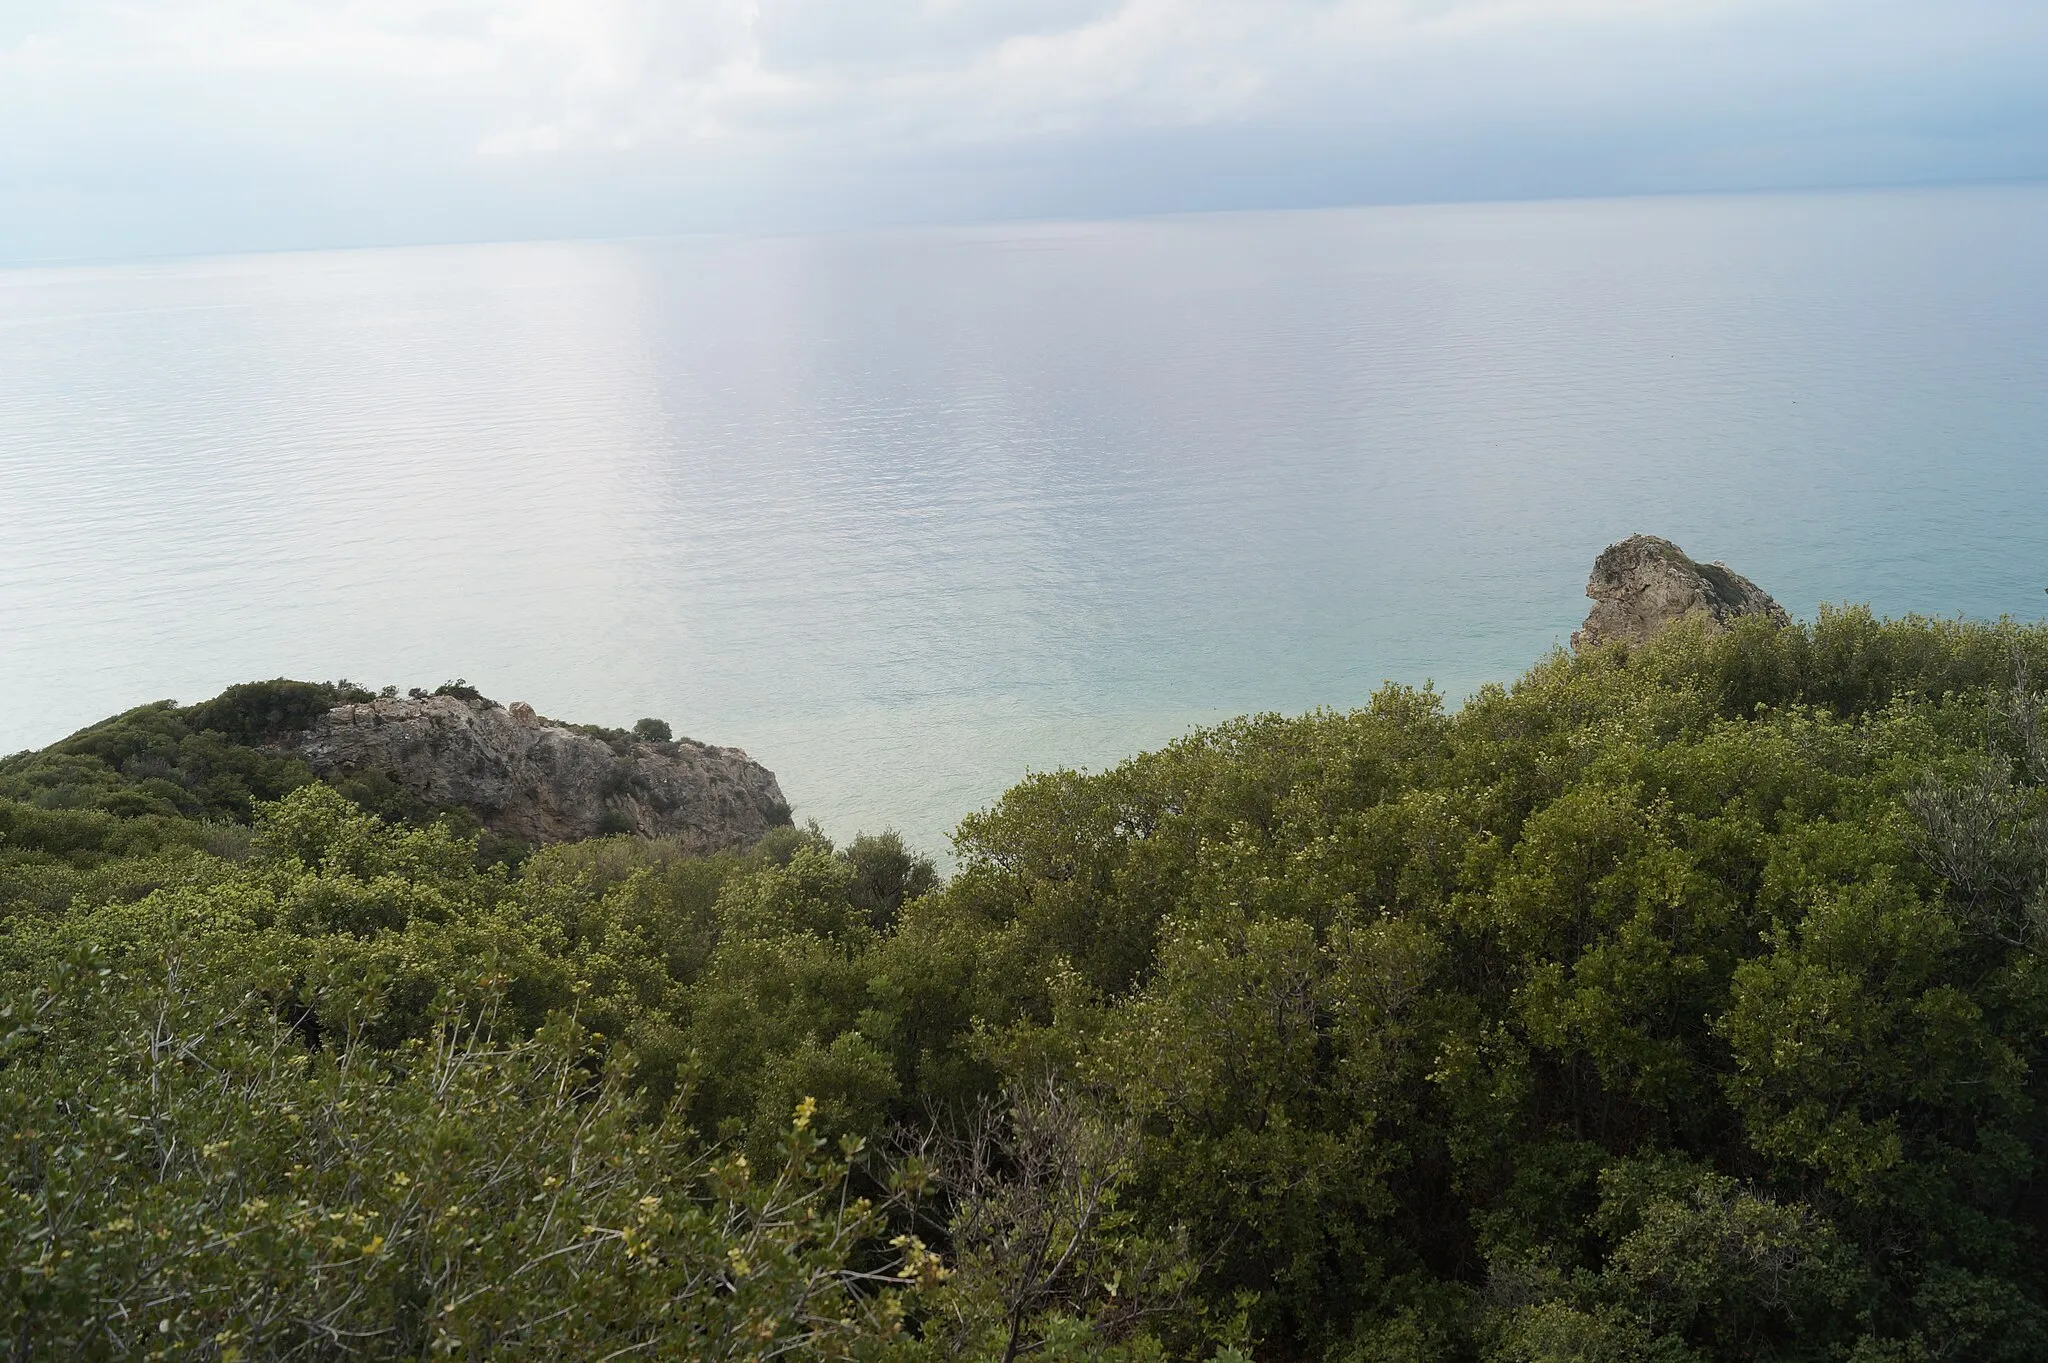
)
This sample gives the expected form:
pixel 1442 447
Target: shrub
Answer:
pixel 187 1179
pixel 1681 1002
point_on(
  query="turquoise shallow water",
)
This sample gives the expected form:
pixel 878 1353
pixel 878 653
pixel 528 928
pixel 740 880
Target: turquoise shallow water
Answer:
pixel 908 513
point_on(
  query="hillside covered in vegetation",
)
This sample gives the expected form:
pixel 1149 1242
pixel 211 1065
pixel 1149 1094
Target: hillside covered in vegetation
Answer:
pixel 1680 1002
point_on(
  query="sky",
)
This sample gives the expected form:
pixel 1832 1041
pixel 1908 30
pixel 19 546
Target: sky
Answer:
pixel 181 126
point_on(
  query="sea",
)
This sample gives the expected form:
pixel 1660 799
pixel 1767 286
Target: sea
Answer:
pixel 910 513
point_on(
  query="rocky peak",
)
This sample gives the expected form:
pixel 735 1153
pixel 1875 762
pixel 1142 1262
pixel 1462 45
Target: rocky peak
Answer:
pixel 1645 583
pixel 544 781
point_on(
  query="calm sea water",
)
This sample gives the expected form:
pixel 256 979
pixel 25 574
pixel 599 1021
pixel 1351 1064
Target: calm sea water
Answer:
pixel 906 514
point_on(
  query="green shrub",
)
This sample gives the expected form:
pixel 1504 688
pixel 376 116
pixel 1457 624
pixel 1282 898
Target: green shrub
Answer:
pixel 186 1179
pixel 1680 1002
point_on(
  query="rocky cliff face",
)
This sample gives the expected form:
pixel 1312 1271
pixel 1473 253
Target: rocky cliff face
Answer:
pixel 533 778
pixel 1645 583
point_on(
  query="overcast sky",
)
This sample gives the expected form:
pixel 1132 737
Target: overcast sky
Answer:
pixel 199 125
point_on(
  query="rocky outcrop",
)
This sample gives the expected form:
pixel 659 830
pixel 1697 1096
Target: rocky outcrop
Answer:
pixel 1645 583
pixel 534 778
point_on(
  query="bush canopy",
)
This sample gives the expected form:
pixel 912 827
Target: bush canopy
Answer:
pixel 1677 1003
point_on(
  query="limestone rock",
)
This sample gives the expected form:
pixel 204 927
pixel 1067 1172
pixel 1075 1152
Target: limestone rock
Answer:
pixel 533 778
pixel 1644 583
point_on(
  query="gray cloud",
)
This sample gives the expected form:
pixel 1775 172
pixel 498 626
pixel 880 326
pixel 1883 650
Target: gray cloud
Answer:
pixel 228 124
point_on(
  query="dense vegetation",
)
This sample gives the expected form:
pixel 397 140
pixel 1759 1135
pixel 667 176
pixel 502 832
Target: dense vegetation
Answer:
pixel 1680 1003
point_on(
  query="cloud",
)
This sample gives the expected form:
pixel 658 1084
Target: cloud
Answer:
pixel 502 117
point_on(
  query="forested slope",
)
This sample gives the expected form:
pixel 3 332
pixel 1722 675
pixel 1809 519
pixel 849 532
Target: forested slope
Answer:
pixel 1683 1002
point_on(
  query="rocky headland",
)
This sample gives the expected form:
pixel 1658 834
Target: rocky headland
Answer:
pixel 528 777
pixel 1645 583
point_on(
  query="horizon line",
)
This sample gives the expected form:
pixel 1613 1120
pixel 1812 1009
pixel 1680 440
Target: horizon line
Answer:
pixel 27 264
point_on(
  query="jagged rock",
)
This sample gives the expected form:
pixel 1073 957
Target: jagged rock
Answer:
pixel 1644 583
pixel 537 779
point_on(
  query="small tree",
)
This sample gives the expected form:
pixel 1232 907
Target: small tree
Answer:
pixel 1041 1247
pixel 1987 835
pixel 886 875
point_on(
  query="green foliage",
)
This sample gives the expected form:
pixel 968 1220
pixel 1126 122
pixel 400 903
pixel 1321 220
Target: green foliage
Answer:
pixel 204 761
pixel 261 712
pixel 653 731
pixel 182 776
pixel 1686 1002
pixel 187 1180
pixel 886 875
pixel 1402 997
